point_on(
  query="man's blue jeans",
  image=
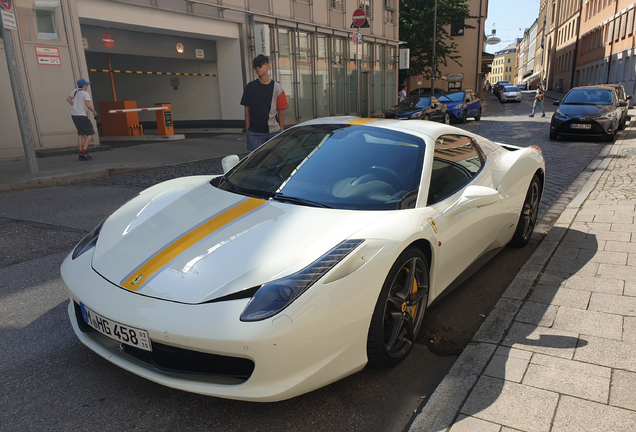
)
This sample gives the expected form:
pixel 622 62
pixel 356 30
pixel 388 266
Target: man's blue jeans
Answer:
pixel 255 139
pixel 534 106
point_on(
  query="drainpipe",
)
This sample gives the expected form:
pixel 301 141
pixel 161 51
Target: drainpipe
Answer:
pixel 609 60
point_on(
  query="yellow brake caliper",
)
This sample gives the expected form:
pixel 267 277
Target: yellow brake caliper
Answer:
pixel 414 291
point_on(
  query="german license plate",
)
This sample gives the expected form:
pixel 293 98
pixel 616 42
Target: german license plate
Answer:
pixel 122 333
pixel 581 126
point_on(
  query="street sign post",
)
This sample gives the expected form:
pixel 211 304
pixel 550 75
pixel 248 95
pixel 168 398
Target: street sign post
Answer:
pixel 359 20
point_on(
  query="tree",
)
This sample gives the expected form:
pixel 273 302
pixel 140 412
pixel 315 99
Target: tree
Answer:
pixel 416 29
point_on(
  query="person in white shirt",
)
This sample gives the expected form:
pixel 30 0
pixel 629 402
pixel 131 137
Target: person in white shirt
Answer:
pixel 402 94
pixel 80 100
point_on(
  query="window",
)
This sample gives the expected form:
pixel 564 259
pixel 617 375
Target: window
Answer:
pixel 366 6
pixel 389 16
pixel 457 28
pixel 45 12
pixel 457 159
pixel 337 5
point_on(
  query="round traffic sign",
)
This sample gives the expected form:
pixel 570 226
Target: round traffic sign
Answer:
pixel 108 40
pixel 420 79
pixel 6 4
pixel 180 47
pixel 359 17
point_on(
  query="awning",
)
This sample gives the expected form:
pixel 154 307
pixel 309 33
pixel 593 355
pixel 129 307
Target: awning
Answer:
pixel 531 77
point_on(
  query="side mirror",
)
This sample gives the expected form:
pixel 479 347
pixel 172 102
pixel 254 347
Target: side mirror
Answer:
pixel 229 162
pixel 473 197
pixel 623 103
pixel 556 103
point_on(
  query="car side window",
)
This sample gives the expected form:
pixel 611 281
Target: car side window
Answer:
pixel 457 160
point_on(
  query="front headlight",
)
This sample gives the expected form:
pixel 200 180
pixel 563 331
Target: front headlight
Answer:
pixel 609 115
pixel 559 115
pixel 273 297
pixel 416 115
pixel 88 242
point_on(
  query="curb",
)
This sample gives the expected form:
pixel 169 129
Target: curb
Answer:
pixel 445 404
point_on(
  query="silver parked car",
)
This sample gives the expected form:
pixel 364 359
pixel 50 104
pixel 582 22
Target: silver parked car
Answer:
pixel 510 93
pixel 622 97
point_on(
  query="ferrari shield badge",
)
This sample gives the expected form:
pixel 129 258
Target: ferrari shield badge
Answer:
pixel 433 224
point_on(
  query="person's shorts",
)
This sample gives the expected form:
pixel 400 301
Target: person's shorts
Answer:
pixel 83 125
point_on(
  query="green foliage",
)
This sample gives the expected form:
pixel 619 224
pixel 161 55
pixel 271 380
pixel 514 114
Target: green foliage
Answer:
pixel 416 28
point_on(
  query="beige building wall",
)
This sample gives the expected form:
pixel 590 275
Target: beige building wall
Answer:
pixel 470 47
pixel 504 66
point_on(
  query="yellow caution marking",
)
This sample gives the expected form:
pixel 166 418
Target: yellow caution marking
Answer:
pixel 162 258
pixel 361 121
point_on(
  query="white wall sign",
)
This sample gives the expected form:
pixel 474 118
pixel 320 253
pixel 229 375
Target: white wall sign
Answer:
pixel 85 43
pixel 405 58
pixel 455 77
pixel 8 21
pixel 261 39
pixel 49 56
pixel 199 53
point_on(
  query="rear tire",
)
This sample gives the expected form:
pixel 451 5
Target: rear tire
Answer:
pixel 399 312
pixel 464 116
pixel 528 216
pixel 446 119
pixel 426 117
pixel 478 116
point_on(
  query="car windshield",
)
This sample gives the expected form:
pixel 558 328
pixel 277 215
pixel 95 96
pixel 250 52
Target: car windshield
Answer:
pixel 589 97
pixel 424 102
pixel 410 102
pixel 337 166
pixel 512 89
pixel 452 97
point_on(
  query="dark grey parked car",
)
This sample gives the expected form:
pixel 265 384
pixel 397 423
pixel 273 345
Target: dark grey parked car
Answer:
pixel 592 111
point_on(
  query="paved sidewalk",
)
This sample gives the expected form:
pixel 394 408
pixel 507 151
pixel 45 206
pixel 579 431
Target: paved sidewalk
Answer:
pixel 120 159
pixel 558 351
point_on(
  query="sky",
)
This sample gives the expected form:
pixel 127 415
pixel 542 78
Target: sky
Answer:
pixel 510 18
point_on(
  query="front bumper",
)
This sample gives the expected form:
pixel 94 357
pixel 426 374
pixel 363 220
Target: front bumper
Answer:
pixel 315 341
pixel 599 127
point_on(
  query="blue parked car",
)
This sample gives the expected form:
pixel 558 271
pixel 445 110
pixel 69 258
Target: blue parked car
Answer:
pixel 462 105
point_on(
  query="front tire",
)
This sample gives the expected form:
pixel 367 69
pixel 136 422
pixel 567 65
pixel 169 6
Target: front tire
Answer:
pixel 478 116
pixel 426 117
pixel 399 312
pixel 464 116
pixel 528 216
pixel 446 119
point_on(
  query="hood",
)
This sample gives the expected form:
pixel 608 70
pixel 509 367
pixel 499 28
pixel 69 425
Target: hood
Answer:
pixel 187 241
pixel 512 93
pixel 582 111
pixel 403 111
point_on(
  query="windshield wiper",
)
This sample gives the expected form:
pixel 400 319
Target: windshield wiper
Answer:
pixel 254 193
pixel 296 200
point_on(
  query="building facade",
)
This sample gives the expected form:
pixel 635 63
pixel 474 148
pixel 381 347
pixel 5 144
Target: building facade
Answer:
pixel 504 66
pixel 470 75
pixel 607 40
pixel 196 55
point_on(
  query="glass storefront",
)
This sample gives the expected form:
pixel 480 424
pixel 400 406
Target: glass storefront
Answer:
pixel 319 73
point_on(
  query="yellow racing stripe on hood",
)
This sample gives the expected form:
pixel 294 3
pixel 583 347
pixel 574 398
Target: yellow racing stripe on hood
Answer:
pixel 147 270
pixel 361 121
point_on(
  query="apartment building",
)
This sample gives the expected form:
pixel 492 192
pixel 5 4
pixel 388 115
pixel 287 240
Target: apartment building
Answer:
pixel 608 36
pixel 196 55
pixel 470 75
pixel 504 66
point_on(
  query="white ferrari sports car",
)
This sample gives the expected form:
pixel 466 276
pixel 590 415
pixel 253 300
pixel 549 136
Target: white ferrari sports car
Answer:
pixel 316 254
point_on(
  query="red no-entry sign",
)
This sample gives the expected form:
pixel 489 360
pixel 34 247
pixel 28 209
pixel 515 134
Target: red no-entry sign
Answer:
pixel 359 17
pixel 108 40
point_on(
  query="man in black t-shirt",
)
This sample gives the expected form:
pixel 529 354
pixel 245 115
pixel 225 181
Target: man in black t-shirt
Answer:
pixel 264 101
